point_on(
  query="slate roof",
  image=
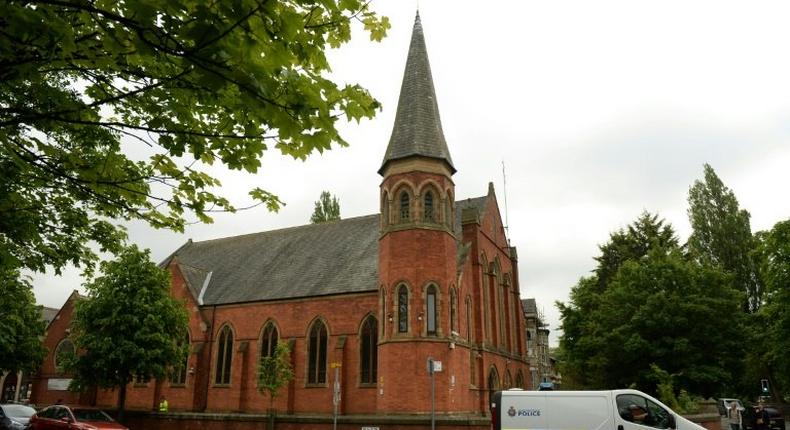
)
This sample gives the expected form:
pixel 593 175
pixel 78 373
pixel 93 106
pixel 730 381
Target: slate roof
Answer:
pixel 313 260
pixel 477 203
pixel 48 314
pixel 530 307
pixel 194 276
pixel 418 129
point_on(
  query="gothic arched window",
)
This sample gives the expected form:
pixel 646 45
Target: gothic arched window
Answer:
pixel 269 340
pixel 448 210
pixel 316 354
pixel 431 309
pixel 404 206
pixel 428 213
pixel 63 352
pixel 178 374
pixel 453 312
pixel 384 313
pixel 493 380
pixel 368 351
pixel 385 210
pixel 403 309
pixel 224 356
pixel 468 319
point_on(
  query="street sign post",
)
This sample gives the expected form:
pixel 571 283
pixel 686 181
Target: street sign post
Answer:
pixel 433 367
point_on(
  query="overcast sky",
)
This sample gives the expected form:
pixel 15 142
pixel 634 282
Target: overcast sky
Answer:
pixel 599 110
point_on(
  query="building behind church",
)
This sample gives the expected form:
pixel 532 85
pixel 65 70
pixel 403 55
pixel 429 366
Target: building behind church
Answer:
pixel 428 277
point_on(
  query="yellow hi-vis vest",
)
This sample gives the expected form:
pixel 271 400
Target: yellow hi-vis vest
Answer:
pixel 163 406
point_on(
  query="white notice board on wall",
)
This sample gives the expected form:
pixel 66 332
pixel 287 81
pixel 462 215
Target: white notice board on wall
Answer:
pixel 58 384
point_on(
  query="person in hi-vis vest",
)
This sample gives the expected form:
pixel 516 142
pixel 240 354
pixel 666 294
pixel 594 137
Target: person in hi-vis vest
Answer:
pixel 163 404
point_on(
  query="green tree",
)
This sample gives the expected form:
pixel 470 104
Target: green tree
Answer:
pixel 327 208
pixel 580 331
pixel 115 110
pixel 21 325
pixel 633 243
pixel 274 371
pixel 128 327
pixel 658 309
pixel 722 235
pixel 770 326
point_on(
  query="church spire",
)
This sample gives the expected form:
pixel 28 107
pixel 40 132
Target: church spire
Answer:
pixel 418 129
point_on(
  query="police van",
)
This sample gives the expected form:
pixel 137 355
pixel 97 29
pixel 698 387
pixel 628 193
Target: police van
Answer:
pixel 579 410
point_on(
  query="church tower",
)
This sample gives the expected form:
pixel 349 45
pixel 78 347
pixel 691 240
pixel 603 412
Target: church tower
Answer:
pixel 417 247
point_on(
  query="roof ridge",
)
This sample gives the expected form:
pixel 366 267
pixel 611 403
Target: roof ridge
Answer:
pixel 303 226
pixel 283 229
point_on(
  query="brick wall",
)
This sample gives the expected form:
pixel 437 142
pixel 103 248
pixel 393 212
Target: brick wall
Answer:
pixel 154 421
pixel 57 331
pixel 413 256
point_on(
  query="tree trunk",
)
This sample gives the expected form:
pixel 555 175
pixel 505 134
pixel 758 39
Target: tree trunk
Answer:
pixel 121 402
pixel 270 419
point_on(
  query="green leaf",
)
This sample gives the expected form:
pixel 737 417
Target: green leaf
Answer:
pixel 191 82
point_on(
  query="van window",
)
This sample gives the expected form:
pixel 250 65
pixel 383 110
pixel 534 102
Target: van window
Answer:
pixel 639 410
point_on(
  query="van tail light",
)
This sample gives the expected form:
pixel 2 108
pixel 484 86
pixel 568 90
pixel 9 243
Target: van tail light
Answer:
pixel 495 400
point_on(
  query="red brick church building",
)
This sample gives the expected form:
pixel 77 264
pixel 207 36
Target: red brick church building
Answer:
pixel 427 277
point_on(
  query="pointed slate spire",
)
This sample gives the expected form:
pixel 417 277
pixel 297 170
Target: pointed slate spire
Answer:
pixel 418 129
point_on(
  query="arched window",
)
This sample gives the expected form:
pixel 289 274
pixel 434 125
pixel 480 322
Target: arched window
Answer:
pixel 428 213
pixel 368 351
pixel 472 367
pixel 453 313
pixel 403 309
pixel 178 375
pixel 520 380
pixel 63 352
pixel 224 356
pixel 431 310
pixel 493 382
pixel 492 309
pixel 385 210
pixel 448 210
pixel 316 354
pixel 404 206
pixel 508 380
pixel 384 315
pixel 269 340
pixel 469 319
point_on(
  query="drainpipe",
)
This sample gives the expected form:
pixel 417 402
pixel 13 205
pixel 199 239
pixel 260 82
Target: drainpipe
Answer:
pixel 204 403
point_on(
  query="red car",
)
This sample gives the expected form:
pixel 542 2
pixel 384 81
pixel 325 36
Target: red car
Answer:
pixel 60 417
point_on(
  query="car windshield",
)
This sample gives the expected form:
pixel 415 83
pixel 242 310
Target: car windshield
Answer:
pixel 20 411
pixel 90 415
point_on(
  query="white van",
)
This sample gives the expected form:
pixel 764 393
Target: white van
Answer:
pixel 583 410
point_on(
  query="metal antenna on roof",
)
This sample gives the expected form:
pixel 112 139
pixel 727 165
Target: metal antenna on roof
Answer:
pixel 504 193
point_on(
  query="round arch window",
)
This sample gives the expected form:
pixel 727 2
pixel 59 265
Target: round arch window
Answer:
pixel 63 352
